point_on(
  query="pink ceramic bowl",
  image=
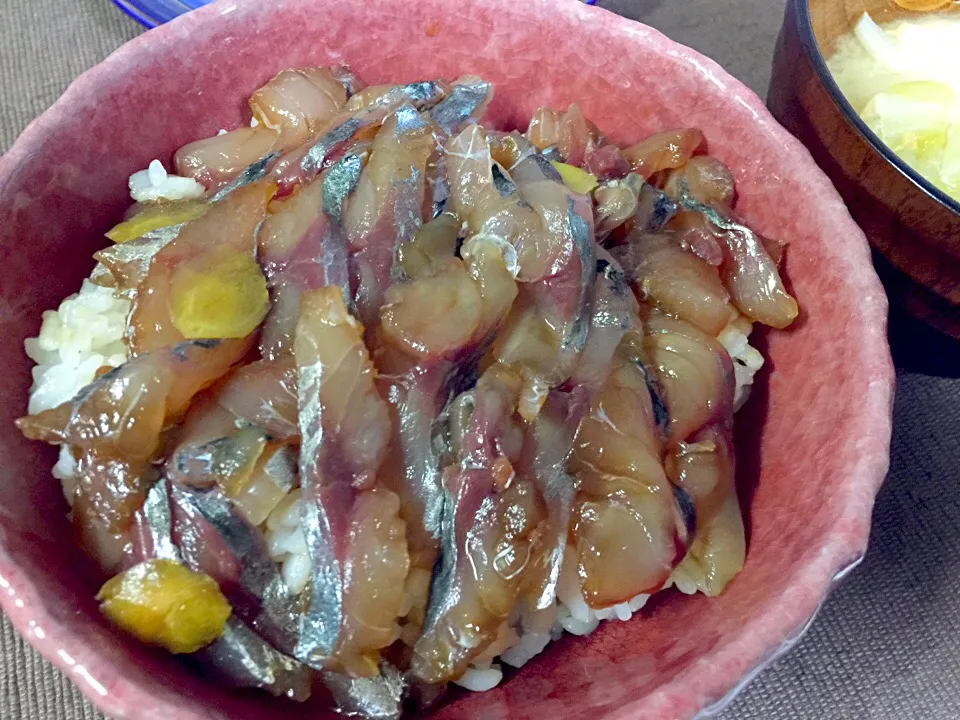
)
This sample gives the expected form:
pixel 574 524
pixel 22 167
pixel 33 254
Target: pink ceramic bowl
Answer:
pixel 813 442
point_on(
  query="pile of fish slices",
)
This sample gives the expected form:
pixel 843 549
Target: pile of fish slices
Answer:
pixel 469 352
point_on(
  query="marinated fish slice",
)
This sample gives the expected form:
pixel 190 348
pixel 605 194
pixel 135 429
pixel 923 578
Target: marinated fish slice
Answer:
pixel 302 246
pixel 289 108
pixel 264 393
pixel 552 432
pixel 417 322
pixel 432 245
pixel 569 132
pixel 508 149
pixel 605 161
pixel 616 202
pixel 492 265
pixel 385 209
pixel 546 450
pixel 614 312
pixel 693 371
pixel 693 374
pixel 206 278
pixel 255 171
pixel 114 425
pixel 356 122
pixel 466 102
pixel 215 161
pixel 675 280
pixel 483 196
pixel 239 655
pixel 296 103
pixel 245 660
pixel 252 471
pixel 433 317
pixel 376 698
pixel 490 516
pixel 547 326
pixel 153 537
pixel 354 532
pixel 438 185
pixel 748 271
pixel 664 151
pixel 706 179
pixel 417 396
pixel 625 530
pixel 695 233
pixel 127 264
pixel 567 286
pixel 214 538
pixel 704 469
pixel 212 451
pixel 654 209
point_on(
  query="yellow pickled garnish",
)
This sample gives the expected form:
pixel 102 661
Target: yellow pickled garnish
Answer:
pixel 225 299
pixel 164 603
pixel 580 181
pixel 154 218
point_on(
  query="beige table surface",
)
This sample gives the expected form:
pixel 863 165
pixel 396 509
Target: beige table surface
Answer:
pixel 887 643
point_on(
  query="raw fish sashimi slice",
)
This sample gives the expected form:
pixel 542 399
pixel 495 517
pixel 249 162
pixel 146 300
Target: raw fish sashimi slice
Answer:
pixel 629 529
pixel 114 428
pixel 385 210
pixel 353 528
pixel 302 246
pixel 289 108
pixel 206 283
pixel 489 518
pixel 358 121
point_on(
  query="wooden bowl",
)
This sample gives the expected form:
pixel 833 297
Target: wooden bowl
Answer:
pixel 913 226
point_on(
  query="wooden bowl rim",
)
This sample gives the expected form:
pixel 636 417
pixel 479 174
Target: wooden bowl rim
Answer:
pixel 804 26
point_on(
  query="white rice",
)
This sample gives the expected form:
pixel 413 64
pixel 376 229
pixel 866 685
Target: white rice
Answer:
pixel 86 333
pixel 747 360
pixel 155 182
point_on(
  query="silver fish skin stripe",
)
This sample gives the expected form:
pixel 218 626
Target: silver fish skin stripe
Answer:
pixel 462 101
pixel 419 94
pixel 246 660
pixel 579 230
pixel 320 623
pixel 654 208
pixel 339 182
pixel 252 173
pixel 312 161
pixel 260 575
pixel 557 487
pixel 241 656
pixel 159 520
pixel 373 698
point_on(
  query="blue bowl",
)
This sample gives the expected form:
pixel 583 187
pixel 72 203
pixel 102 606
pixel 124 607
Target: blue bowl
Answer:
pixel 156 12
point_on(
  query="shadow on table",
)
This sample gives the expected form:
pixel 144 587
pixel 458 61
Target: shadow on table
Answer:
pixel 918 348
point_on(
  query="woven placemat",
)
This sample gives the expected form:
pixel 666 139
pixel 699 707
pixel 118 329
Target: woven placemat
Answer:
pixel 886 645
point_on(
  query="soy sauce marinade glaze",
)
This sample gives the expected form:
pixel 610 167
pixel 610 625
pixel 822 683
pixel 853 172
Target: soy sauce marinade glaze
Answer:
pixel 399 394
